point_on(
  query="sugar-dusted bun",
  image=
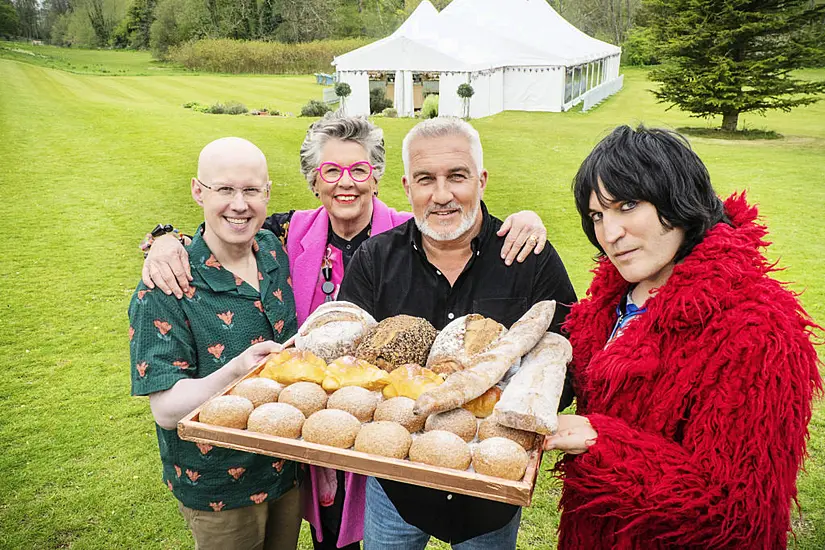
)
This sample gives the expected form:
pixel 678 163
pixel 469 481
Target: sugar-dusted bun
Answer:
pixel 333 329
pixel 331 427
pixel 358 401
pixel 500 457
pixel 258 390
pixel 441 448
pixel 461 422
pixel 279 419
pixel 488 428
pixel 400 409
pixel 231 411
pixel 464 337
pixel 307 397
pixel 384 438
pixel 396 341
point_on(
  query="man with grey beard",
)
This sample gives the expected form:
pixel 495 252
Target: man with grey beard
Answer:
pixel 442 264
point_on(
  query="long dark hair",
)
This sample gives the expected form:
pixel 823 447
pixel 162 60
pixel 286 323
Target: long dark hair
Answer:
pixel 653 165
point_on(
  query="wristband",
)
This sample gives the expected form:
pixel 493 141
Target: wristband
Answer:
pixel 158 231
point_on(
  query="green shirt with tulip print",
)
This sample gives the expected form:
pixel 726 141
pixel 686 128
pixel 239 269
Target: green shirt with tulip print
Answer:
pixel 215 321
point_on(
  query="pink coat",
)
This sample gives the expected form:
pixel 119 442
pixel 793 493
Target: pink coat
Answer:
pixel 306 244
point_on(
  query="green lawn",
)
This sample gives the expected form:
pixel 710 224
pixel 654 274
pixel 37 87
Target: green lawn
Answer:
pixel 88 163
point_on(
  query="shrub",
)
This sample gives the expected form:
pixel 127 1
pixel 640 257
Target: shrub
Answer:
pixel 379 100
pixel 315 108
pixel 342 89
pixel 430 107
pixel 640 48
pixel 465 91
pixel 390 112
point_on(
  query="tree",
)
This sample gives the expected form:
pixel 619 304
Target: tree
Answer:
pixel 28 16
pixel 737 60
pixel 343 91
pixel 9 20
pixel 465 92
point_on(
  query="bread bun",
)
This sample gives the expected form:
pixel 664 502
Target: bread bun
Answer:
pixel 258 390
pixel 331 427
pixel 488 428
pixel 458 421
pixel 400 409
pixel 279 419
pixel 357 401
pixel 231 411
pixel 397 340
pixel 307 397
pixel 482 406
pixel 500 457
pixel 440 448
pixel 384 438
pixel 333 329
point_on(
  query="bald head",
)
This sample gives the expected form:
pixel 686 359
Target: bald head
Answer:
pixel 232 160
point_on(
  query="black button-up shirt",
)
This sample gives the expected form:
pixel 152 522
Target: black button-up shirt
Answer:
pixel 390 275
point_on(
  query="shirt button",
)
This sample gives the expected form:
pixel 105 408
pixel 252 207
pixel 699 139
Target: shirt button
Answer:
pixel 437 271
pixel 449 497
pixel 349 246
pixel 450 316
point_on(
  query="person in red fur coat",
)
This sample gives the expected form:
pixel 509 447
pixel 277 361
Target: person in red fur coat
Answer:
pixel 694 370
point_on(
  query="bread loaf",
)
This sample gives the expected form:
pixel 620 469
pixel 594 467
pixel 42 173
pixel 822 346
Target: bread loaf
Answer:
pixel 531 400
pixel 461 340
pixel 396 341
pixel 333 330
pixel 490 366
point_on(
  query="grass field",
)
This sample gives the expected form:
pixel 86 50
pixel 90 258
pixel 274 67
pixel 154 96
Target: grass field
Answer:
pixel 90 162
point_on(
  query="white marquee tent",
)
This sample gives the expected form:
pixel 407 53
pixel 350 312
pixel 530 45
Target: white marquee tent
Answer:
pixel 517 55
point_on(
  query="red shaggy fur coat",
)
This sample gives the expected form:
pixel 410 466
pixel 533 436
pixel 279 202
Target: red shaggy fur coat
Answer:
pixel 701 405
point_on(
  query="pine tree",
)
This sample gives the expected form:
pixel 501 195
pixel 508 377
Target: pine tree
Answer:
pixel 726 57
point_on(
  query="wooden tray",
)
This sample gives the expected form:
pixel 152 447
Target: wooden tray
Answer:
pixel 445 479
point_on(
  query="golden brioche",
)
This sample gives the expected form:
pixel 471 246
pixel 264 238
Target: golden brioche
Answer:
pixel 500 457
pixel 482 406
pixel 258 390
pixel 441 448
pixel 488 428
pixel 293 365
pixel 331 427
pixel 411 381
pixel 384 438
pixel 231 411
pixel 349 371
pixel 359 402
pixel 400 409
pixel 279 419
pixel 305 396
pixel 458 421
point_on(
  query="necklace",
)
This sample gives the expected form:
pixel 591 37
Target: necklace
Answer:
pixel 328 287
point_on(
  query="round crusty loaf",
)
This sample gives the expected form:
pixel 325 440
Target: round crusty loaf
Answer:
pixel 307 397
pixel 384 438
pixel 333 329
pixel 464 337
pixel 500 457
pixel 488 428
pixel 461 422
pixel 400 409
pixel 358 401
pixel 331 427
pixel 231 411
pixel 396 341
pixel 279 419
pixel 258 390
pixel 440 448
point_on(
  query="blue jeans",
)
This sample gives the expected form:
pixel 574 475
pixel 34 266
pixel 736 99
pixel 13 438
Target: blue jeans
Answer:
pixel 384 529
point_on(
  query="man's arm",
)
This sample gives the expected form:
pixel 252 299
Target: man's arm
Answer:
pixel 358 286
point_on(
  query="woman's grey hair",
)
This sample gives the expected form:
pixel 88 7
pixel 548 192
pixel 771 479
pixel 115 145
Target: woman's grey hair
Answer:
pixel 443 127
pixel 345 128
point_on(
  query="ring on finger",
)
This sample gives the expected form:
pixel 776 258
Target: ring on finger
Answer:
pixel 532 239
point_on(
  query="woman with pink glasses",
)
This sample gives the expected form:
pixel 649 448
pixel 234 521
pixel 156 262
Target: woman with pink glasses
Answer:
pixel 342 159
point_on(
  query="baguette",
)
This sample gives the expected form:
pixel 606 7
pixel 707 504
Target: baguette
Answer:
pixel 488 367
pixel 531 400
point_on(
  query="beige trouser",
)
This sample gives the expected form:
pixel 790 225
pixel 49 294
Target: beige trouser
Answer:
pixel 272 525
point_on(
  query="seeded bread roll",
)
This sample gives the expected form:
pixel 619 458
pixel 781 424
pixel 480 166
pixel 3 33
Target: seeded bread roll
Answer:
pixel 331 427
pixel 333 329
pixel 278 419
pixel 358 401
pixel 461 422
pixel 500 457
pixel 464 337
pixel 400 409
pixel 488 428
pixel 440 448
pixel 307 397
pixel 396 341
pixel 384 438
pixel 258 390
pixel 231 411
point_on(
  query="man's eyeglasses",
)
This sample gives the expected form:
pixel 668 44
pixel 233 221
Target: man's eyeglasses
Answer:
pixel 227 192
pixel 332 172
